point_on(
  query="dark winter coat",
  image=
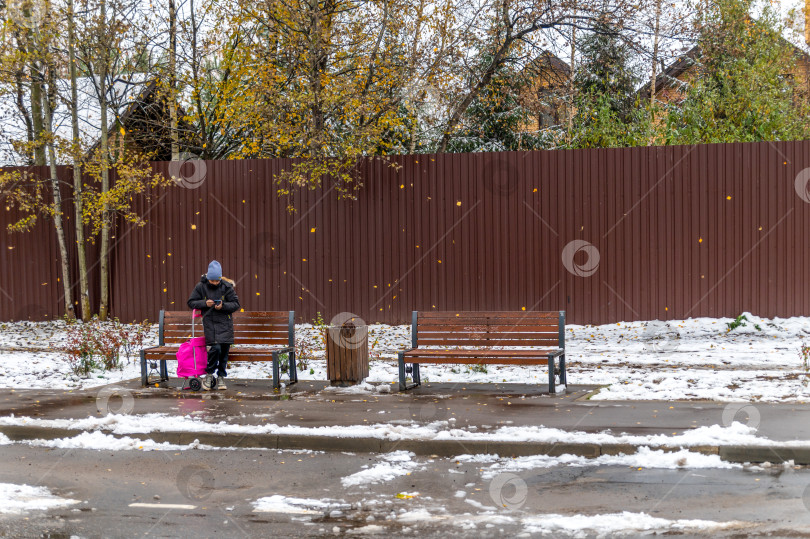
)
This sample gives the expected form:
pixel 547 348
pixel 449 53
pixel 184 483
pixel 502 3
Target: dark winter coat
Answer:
pixel 217 323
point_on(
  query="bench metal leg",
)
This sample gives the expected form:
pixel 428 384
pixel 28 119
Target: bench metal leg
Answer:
pixel 563 377
pixel 276 376
pixel 293 370
pixel 403 385
pixel 164 371
pixel 551 388
pixel 144 372
pixel 402 372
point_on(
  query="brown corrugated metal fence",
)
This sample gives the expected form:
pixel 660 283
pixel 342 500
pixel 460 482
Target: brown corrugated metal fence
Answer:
pixel 663 232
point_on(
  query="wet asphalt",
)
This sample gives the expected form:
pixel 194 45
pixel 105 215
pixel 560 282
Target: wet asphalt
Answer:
pixel 440 497
pixel 479 406
pixel 211 493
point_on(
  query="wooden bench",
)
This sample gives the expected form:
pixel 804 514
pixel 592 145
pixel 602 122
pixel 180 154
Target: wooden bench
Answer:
pixel 448 337
pixel 258 336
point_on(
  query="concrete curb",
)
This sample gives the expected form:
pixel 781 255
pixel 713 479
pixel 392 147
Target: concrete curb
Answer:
pixel 439 448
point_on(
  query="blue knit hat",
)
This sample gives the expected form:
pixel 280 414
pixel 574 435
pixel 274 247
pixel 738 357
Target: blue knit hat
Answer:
pixel 214 271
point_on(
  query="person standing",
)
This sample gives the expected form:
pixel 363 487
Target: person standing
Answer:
pixel 216 299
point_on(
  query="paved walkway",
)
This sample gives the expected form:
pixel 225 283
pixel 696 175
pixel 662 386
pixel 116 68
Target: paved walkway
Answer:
pixel 474 407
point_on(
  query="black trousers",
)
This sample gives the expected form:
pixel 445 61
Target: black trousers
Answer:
pixel 218 359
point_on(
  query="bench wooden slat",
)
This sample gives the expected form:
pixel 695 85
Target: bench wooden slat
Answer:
pixel 494 341
pixel 274 328
pixel 235 356
pixel 181 337
pixel 234 350
pixel 248 358
pixel 246 335
pixel 258 321
pixel 460 360
pixel 252 323
pixel 509 323
pixel 239 315
pixel 238 346
pixel 533 318
pixel 272 342
pixel 512 328
pixel 486 332
pixel 245 315
pixel 243 342
pixel 487 335
pixel 427 315
pixel 421 352
pixel 239 332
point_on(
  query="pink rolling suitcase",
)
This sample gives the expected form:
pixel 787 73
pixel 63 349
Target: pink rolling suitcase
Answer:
pixel 192 358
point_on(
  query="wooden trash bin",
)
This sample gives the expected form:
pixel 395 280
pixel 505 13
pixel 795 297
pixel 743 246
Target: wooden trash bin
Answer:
pixel 347 353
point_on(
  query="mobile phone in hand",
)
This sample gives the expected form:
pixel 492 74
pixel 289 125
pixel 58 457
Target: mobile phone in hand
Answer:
pixel 217 301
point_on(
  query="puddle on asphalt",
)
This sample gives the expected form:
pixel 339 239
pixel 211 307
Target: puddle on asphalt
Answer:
pixel 232 393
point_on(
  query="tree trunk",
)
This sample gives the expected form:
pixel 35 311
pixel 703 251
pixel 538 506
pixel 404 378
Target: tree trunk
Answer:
pixel 104 255
pixel 57 199
pixel 36 116
pixel 19 100
pixel 173 80
pixel 654 65
pixel 84 280
pixel 571 78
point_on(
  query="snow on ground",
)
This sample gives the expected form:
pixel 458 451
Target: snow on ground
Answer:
pixel 32 358
pixel 304 506
pixel 624 523
pixel 392 465
pixel 715 435
pixel 100 441
pixel 400 463
pixel 602 525
pixel 643 458
pixel 20 499
pixel 675 360
pixel 426 513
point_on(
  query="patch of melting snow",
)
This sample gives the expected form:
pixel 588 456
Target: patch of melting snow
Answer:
pixel 735 434
pixel 368 529
pixel 643 458
pixel 20 499
pixel 100 441
pixel 302 506
pixel 363 388
pixel 97 440
pixel 392 465
pixel 625 523
pixel 479 505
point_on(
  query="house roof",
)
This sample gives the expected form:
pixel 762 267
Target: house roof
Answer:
pixel 548 62
pixel 669 78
